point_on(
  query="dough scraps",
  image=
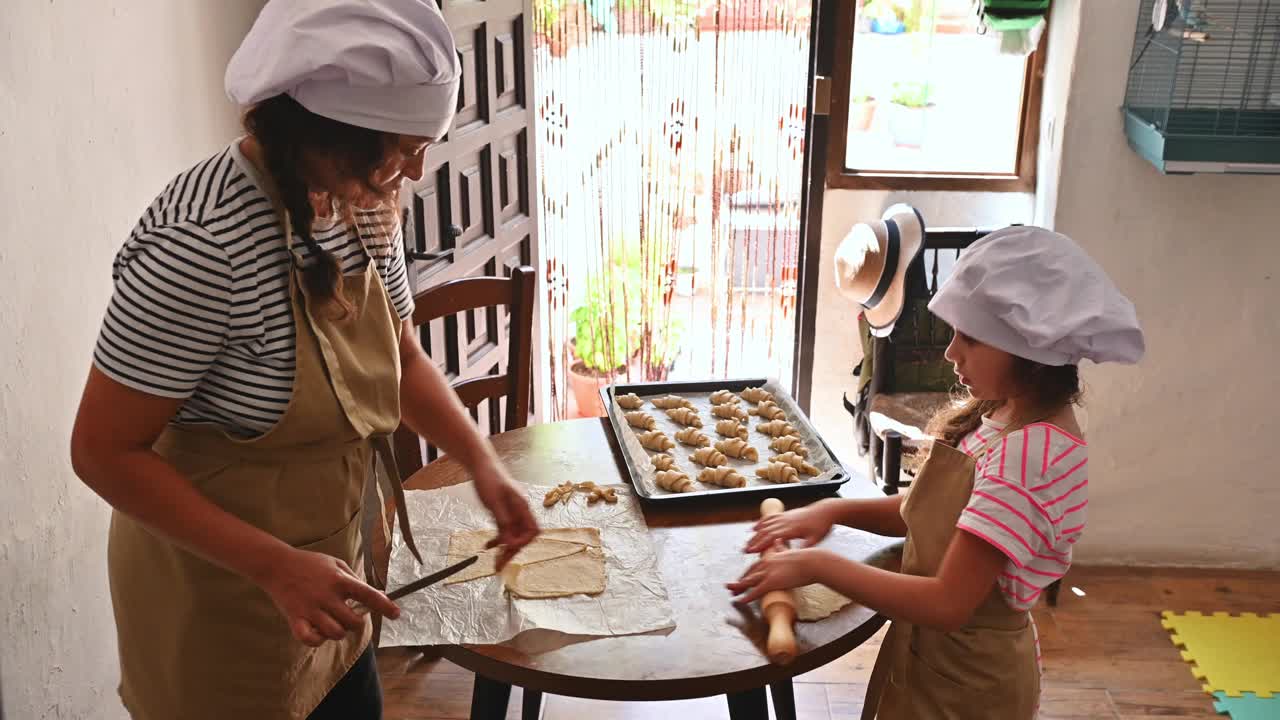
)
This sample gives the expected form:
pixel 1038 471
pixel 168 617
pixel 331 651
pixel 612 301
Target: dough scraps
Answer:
pixel 815 602
pixel 578 574
pixel 550 544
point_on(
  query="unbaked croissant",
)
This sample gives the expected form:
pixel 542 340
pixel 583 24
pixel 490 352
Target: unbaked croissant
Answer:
pixel 778 473
pixel 630 401
pixel 769 410
pixel 662 462
pixel 722 476
pixel 644 421
pixel 674 481
pixel 795 461
pixel 666 402
pixel 685 416
pixel 790 443
pixel 656 440
pixel 738 448
pixel 708 457
pixel 721 397
pixel 733 412
pixel 731 428
pixel 755 395
pixel 776 428
pixel 693 437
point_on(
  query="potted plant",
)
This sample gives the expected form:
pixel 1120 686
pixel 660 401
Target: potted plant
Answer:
pixel 911 102
pixel 601 346
pixel 862 110
pixel 559 23
pixel 884 16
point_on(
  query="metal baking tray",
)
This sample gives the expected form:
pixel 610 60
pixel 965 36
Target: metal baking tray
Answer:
pixel 833 472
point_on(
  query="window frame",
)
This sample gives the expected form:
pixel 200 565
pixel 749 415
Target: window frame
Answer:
pixel 1024 180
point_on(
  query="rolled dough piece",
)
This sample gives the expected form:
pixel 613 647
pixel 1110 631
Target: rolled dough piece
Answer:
pixel 815 602
pixel 551 544
pixel 579 574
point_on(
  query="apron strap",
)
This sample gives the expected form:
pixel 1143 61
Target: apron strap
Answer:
pixel 391 476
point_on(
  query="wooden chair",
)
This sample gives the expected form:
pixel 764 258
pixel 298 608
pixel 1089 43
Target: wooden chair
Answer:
pixel 444 301
pixel 447 299
pixel 904 378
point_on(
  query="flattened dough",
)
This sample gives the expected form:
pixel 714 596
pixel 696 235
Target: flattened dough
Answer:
pixel 579 574
pixel 550 544
pixel 815 602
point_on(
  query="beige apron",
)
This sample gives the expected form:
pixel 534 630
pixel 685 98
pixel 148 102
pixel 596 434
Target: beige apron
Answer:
pixel 199 642
pixel 986 669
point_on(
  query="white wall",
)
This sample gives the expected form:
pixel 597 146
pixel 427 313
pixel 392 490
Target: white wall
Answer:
pixel 1181 446
pixel 101 103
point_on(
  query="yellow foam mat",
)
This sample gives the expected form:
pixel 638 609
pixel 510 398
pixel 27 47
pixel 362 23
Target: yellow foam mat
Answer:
pixel 1231 654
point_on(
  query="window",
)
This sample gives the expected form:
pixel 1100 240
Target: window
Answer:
pixel 925 100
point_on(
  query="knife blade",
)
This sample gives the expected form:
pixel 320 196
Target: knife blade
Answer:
pixel 432 579
pixel 420 583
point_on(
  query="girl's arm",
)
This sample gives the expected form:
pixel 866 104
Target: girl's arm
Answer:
pixel 810 524
pixel 943 602
pixel 882 516
pixel 111 451
pixel 432 409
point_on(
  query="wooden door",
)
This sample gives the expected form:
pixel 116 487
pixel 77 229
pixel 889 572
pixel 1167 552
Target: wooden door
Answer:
pixel 473 212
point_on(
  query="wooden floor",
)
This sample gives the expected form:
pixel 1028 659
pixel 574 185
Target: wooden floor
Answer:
pixel 1105 655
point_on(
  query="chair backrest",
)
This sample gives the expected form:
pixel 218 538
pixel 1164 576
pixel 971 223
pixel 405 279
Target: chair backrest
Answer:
pixel 457 296
pixel 911 358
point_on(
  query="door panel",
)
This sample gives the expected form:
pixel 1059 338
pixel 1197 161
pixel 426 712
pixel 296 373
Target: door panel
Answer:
pixel 472 212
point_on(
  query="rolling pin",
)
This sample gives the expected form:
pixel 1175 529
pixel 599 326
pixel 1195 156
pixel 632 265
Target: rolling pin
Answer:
pixel 778 607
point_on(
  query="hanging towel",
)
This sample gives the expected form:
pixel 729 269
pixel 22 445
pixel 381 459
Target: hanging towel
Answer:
pixel 1019 22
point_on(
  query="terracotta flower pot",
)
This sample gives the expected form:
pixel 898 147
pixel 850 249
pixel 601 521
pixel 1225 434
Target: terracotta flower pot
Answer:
pixel 585 385
pixel 861 115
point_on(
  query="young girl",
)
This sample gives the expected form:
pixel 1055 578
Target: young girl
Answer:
pixel 992 517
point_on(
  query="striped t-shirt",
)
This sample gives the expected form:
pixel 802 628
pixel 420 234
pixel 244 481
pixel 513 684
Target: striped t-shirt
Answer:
pixel 1029 499
pixel 201 308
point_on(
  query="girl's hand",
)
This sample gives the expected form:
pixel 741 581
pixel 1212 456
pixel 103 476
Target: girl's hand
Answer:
pixel 781 570
pixel 510 509
pixel 808 524
pixel 311 590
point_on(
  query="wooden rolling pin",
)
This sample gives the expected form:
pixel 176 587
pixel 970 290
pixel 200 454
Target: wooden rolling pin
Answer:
pixel 778 606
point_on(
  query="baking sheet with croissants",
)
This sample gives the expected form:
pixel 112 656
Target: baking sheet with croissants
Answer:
pixel 684 438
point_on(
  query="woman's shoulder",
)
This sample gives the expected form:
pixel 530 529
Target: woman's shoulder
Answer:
pixel 211 215
pixel 207 193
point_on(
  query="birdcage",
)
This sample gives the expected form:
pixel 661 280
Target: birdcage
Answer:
pixel 1203 92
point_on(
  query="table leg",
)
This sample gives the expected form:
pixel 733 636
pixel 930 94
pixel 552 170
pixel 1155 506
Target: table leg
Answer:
pixel 489 699
pixel 749 705
pixel 784 700
pixel 531 705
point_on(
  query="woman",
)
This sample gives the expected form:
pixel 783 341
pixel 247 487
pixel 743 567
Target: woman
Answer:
pixel 993 516
pixel 256 354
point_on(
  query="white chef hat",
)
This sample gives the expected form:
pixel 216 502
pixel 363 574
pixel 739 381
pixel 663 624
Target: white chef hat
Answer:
pixel 1036 294
pixel 387 65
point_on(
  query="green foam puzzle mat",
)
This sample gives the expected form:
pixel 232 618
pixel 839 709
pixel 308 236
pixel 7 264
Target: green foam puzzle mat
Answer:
pixel 1230 654
pixel 1248 707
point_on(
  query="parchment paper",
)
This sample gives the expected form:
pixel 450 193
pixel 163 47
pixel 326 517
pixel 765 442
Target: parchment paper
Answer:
pixel 634 601
pixel 818 456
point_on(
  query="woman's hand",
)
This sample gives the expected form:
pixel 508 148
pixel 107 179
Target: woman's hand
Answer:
pixel 311 590
pixel 781 570
pixel 808 524
pixel 510 509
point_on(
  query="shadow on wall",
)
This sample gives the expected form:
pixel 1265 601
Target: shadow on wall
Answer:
pixel 214 37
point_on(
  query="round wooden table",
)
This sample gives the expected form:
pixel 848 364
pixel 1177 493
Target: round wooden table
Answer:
pixel 716 647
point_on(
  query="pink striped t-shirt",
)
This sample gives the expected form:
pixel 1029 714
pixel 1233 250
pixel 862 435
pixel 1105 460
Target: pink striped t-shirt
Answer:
pixel 1029 499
